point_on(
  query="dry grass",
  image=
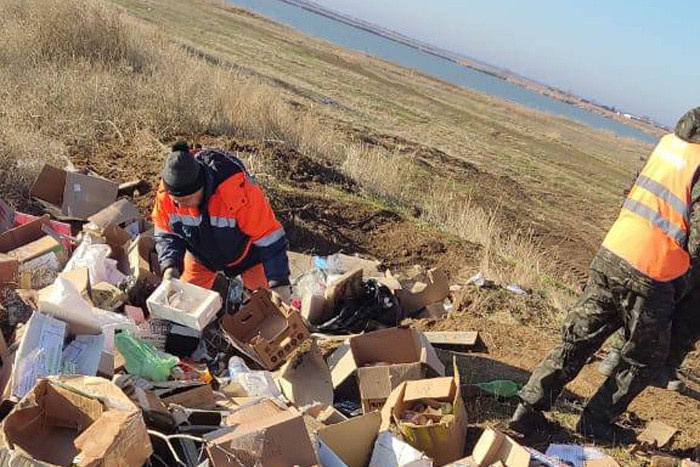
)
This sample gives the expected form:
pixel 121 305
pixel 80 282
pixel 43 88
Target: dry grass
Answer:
pixel 79 73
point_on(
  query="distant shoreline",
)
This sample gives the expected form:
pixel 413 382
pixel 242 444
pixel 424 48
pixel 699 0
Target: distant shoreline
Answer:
pixel 631 120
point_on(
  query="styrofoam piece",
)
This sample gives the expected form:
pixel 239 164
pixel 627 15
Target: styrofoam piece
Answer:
pixel 185 304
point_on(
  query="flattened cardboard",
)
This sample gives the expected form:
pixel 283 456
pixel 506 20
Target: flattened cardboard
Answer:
pixel 657 434
pixel 406 351
pixel 120 213
pixel 350 443
pixel 494 446
pixel 443 442
pixel 306 379
pixel 280 440
pixel 71 420
pixel 266 332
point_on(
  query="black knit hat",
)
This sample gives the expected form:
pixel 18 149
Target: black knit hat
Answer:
pixel 181 174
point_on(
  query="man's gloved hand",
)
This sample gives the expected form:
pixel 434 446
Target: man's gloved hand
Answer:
pixel 171 273
pixel 282 292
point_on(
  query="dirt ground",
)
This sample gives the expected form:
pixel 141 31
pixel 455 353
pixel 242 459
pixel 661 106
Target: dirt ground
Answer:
pixel 325 212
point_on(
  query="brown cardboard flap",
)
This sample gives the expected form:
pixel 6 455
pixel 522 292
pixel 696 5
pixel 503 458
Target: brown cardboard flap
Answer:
pixel 197 397
pixel 306 379
pixel 118 213
pixel 494 447
pixel 85 195
pixel 23 234
pixel 35 249
pixel 436 388
pixel 278 440
pixel 352 441
pixel 48 186
pixel 378 382
pixel 657 434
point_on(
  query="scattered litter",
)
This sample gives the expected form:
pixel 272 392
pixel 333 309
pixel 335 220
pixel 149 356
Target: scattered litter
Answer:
pixel 516 289
pixel 577 456
pixel 142 359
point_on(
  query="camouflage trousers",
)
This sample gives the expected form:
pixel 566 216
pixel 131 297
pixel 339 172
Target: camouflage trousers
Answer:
pixel 615 297
pixel 685 330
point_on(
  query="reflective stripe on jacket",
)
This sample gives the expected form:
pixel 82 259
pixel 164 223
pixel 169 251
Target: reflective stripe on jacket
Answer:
pixel 651 233
pixel 233 219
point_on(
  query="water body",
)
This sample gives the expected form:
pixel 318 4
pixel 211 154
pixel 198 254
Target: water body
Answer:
pixel 354 38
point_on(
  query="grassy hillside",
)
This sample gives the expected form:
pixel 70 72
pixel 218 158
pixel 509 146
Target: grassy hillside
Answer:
pixel 355 153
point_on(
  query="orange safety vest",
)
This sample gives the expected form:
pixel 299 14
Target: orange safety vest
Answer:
pixel 652 230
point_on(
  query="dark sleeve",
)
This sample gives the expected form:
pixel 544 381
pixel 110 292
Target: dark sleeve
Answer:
pixel 275 262
pixel 171 250
pixel 694 239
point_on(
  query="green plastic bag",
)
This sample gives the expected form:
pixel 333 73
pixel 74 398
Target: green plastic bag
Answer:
pixel 501 388
pixel 142 359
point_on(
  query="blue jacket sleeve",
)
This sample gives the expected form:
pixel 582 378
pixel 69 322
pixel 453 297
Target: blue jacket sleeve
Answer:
pixel 171 250
pixel 275 262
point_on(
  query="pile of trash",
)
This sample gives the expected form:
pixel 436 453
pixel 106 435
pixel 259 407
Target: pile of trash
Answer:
pixel 104 363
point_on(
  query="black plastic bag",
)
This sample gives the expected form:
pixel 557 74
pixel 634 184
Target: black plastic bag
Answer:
pixel 375 308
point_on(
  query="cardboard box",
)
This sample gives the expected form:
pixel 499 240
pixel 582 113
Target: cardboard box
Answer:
pixel 193 396
pixel 143 266
pixel 443 441
pixel 494 446
pixel 72 195
pixel 120 213
pixel 74 420
pixel 357 443
pixel 31 259
pixel 264 439
pixel 184 303
pixel 427 288
pixel 305 380
pixel 405 353
pixel 63 229
pixel 349 443
pixel 266 332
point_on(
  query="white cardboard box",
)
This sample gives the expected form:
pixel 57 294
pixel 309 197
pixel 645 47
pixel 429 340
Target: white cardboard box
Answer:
pixel 184 303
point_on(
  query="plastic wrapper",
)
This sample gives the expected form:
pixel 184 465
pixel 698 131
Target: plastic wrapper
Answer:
pixel 142 359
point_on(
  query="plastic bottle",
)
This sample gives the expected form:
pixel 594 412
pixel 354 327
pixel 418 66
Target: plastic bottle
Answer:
pixel 236 366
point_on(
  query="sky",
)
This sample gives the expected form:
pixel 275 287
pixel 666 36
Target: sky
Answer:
pixel 640 56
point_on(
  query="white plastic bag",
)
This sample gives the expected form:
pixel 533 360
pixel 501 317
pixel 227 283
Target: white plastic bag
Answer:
pixel 95 257
pixel 64 302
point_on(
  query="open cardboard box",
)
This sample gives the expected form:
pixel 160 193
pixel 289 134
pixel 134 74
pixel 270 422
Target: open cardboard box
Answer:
pixel 427 288
pixel 262 435
pixel 184 303
pixel 494 446
pixel 358 443
pixel 72 195
pixel 405 353
pixel 443 441
pixel 30 258
pixel 266 332
pixel 74 420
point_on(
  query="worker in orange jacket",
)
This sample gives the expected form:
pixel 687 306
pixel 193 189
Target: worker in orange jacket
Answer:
pixel 648 261
pixel 210 216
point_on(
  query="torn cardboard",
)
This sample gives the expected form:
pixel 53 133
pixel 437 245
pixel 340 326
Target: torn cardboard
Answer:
pixel 382 360
pixel 72 195
pixel 266 332
pixel 306 380
pixel 75 420
pixel 494 446
pixel 443 441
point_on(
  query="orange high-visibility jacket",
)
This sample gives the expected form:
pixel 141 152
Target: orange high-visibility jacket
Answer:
pixel 651 233
pixel 234 224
